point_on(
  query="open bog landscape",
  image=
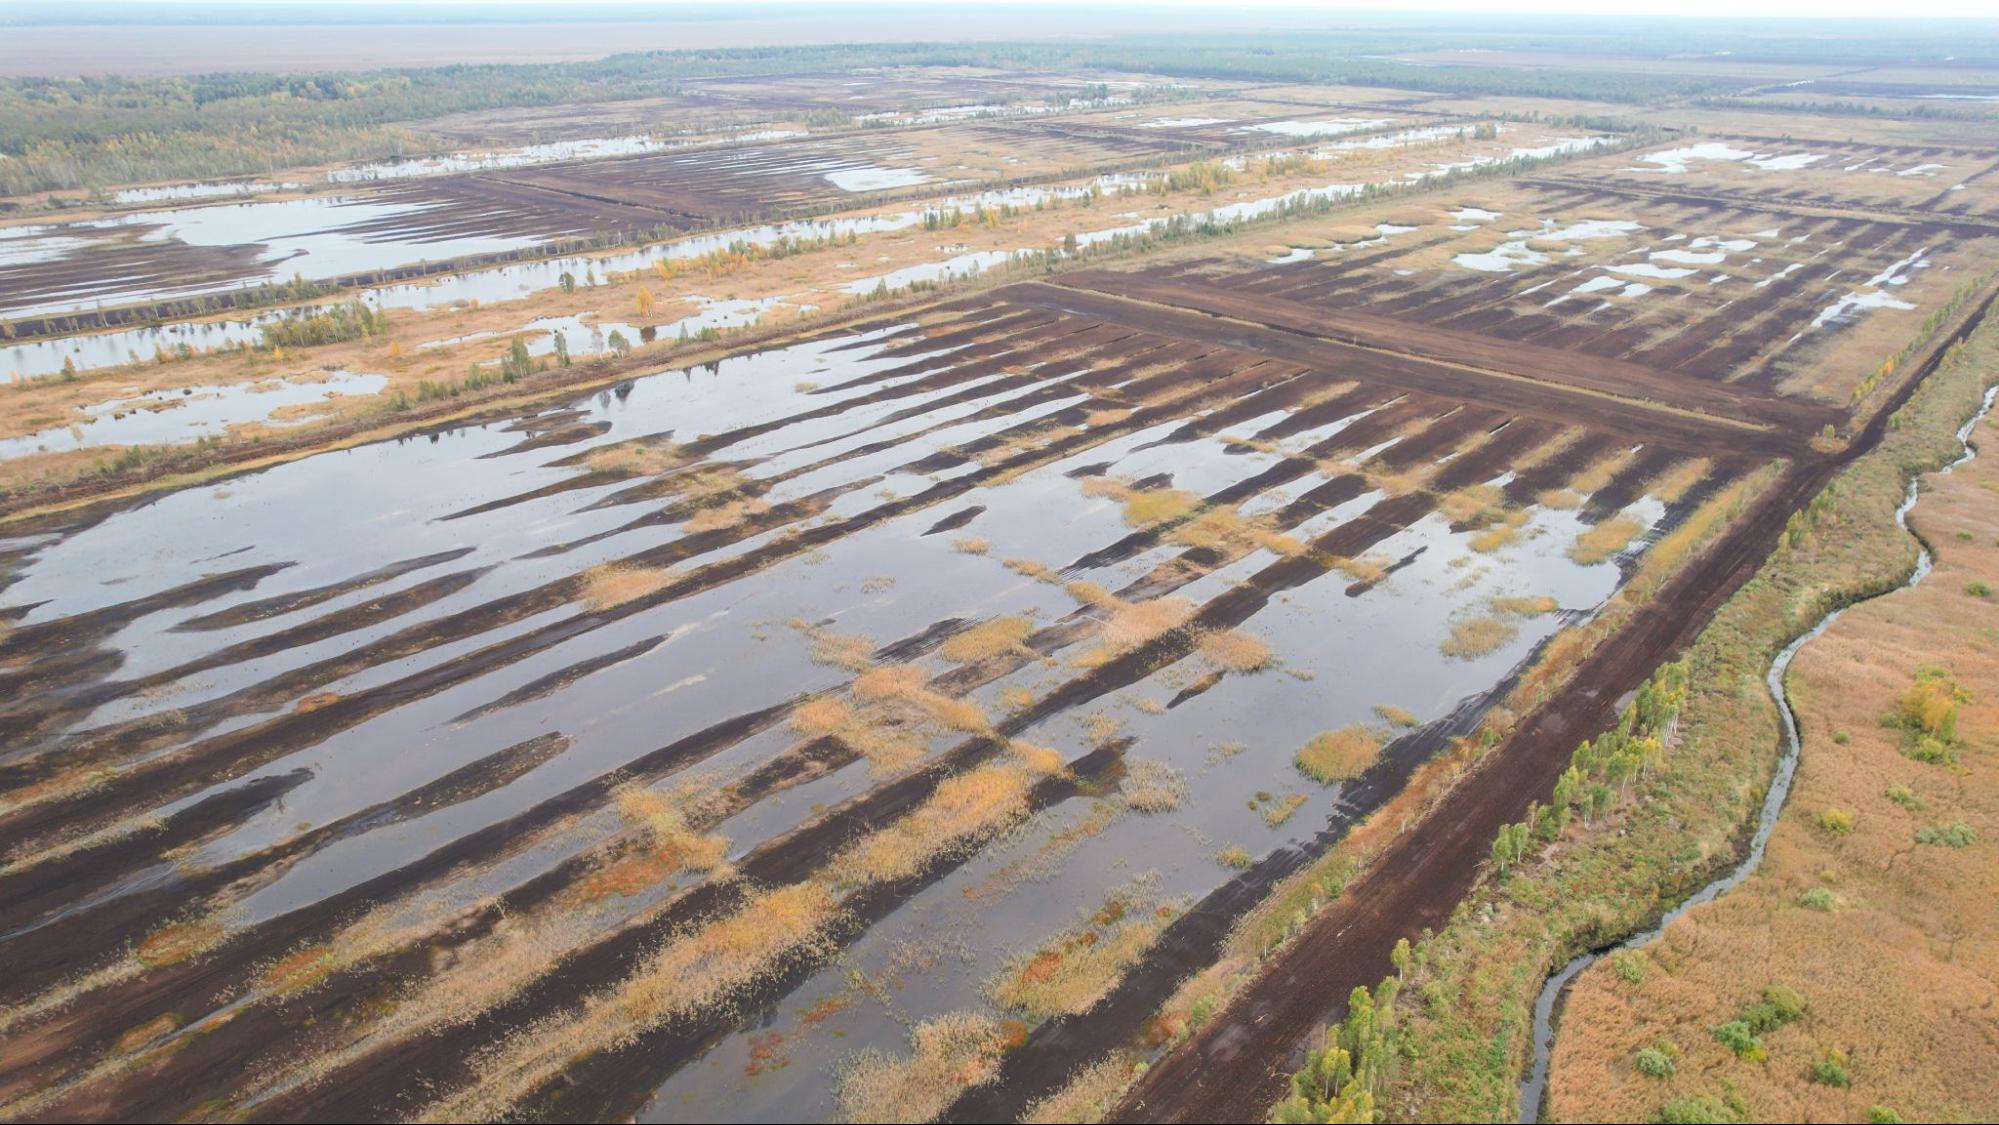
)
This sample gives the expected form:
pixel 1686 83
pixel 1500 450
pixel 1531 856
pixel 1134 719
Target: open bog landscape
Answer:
pixel 1295 566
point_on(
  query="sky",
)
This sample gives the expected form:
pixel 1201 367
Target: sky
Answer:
pixel 1814 9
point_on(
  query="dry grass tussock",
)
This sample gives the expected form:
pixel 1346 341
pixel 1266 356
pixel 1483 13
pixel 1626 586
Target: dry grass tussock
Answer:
pixel 851 651
pixel 1071 974
pixel 1678 479
pixel 1133 623
pixel 1338 755
pixel 999 636
pixel 963 808
pixel 637 458
pixel 725 515
pixel 690 972
pixel 899 712
pixel 1593 477
pixel 1396 716
pixel 1467 505
pixel 1152 786
pixel 1533 606
pixel 971 545
pixel 1236 651
pixel 1225 529
pixel 1144 508
pixel 1367 569
pixel 614 584
pixel 664 821
pixel 948 1055
pixel 1476 636
pixel 1604 540
pixel 1042 761
pixel 1090 1095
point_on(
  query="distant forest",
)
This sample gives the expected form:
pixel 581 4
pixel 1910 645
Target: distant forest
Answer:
pixel 95 132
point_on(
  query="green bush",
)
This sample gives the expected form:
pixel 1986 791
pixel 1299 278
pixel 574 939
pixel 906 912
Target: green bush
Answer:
pixel 1818 898
pixel 1978 590
pixel 1836 822
pixel 1737 1036
pixel 1653 1063
pixel 1882 1115
pixel 1956 834
pixel 1831 1071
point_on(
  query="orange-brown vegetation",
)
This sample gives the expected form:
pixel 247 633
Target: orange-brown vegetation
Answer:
pixel 1913 1031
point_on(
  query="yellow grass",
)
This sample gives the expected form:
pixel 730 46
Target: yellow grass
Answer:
pixel 1395 716
pixel 689 973
pixel 963 807
pixel 1069 976
pixel 1673 484
pixel 614 584
pixel 1368 569
pixel 675 846
pixel 726 515
pixel 1042 761
pixel 971 545
pixel 1153 787
pixel 1000 636
pixel 1089 593
pixel 1236 650
pixel 1133 623
pixel 638 458
pixel 1090 1095
pixel 1525 606
pixel 895 681
pixel 948 1055
pixel 1146 509
pixel 1592 478
pixel 1468 504
pixel 1604 540
pixel 1477 636
pixel 1338 755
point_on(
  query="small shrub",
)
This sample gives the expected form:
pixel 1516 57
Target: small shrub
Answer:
pixel 1818 898
pixel 1653 1063
pixel 1737 1036
pixel 1235 855
pixel 1831 1070
pixel 1882 1115
pixel 1836 822
pixel 1628 968
pixel 1978 590
pixel 1956 834
pixel 1905 797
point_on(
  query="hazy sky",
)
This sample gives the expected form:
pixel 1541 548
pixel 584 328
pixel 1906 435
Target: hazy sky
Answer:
pixel 1820 9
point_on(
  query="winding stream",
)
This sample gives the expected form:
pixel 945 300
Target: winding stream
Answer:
pixel 1534 1087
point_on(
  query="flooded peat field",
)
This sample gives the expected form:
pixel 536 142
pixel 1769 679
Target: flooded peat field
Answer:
pixel 793 734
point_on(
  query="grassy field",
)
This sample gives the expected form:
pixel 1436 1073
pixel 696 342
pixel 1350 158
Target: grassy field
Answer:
pixel 1463 1018
pixel 1869 865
